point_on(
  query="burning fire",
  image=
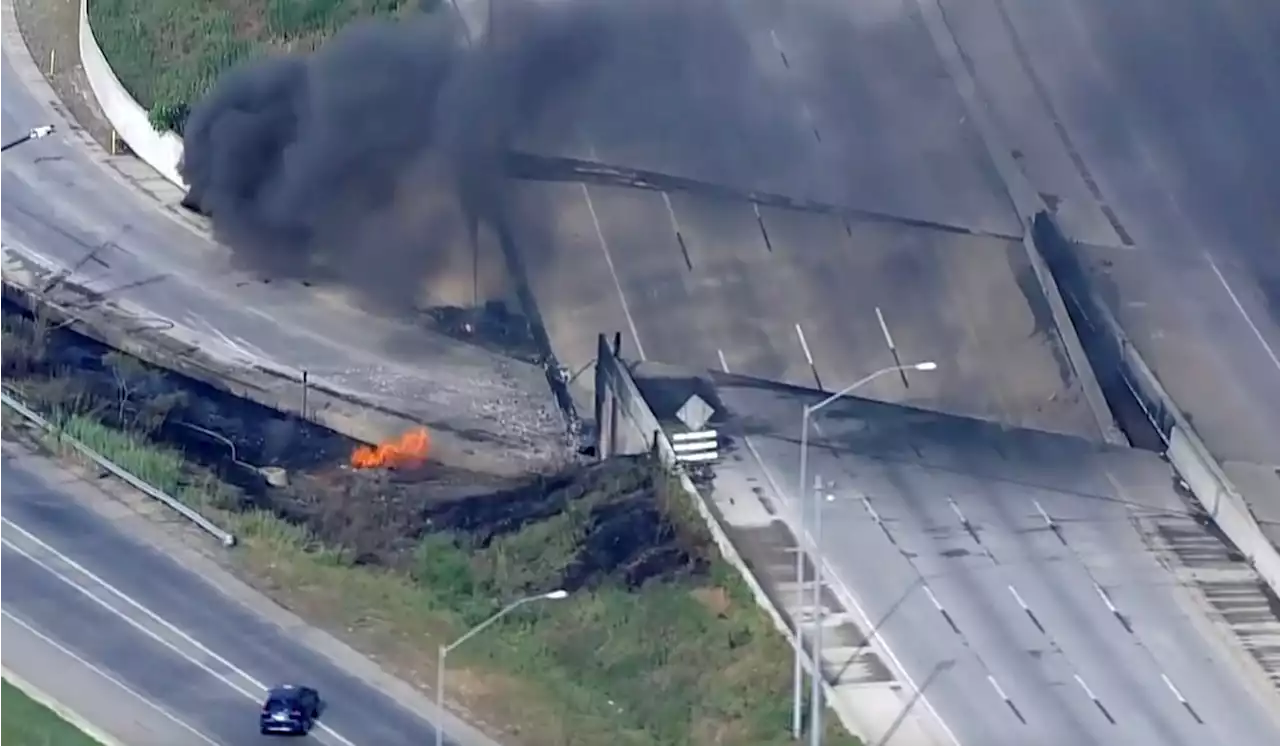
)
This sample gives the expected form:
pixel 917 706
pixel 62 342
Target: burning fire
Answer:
pixel 407 451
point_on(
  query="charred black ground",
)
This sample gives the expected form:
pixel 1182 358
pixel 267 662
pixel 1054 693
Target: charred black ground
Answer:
pixel 593 524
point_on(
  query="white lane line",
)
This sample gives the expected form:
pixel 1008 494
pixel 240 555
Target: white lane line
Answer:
pixel 671 212
pixel 1000 691
pixel 946 615
pixel 613 271
pixel 104 674
pixel 1027 610
pixel 724 364
pixel 884 329
pixel 1275 360
pixel 1096 702
pixel 1181 699
pixel 148 613
pixel 847 595
pixel 804 345
pixel 1105 598
pixel 1043 514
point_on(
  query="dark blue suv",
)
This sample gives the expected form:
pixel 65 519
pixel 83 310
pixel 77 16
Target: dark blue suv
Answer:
pixel 290 709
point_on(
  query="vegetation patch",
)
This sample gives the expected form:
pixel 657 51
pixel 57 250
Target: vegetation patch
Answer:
pixel 658 641
pixel 168 53
pixel 26 722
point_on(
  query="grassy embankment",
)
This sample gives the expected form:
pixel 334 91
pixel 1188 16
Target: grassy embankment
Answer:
pixel 169 52
pixel 26 722
pixel 658 643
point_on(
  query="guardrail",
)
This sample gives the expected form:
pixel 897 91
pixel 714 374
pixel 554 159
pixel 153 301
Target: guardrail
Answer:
pixel 1186 452
pixel 160 150
pixel 225 537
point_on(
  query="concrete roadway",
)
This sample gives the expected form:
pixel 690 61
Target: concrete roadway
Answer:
pixel 145 648
pixel 1028 561
pixel 831 101
pixel 1151 126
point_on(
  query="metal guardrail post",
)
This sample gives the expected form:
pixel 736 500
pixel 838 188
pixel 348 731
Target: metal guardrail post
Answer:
pixel 225 537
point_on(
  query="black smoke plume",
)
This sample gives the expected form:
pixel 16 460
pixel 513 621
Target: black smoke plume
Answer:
pixel 372 158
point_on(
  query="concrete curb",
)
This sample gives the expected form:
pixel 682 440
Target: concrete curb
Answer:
pixel 59 709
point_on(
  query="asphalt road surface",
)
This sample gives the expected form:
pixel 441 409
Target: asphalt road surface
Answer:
pixel 1017 576
pixel 109 616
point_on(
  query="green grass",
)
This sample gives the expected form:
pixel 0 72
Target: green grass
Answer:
pixel 26 722
pixel 167 53
pixel 653 668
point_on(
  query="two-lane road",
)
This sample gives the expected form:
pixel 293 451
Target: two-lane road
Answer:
pixel 104 612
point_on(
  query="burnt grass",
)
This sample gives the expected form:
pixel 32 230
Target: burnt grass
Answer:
pixel 660 643
pixel 604 523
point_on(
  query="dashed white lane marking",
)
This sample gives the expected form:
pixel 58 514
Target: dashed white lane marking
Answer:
pixel 804 345
pixel 724 364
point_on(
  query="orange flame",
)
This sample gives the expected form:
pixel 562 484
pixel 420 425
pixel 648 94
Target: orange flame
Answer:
pixel 407 451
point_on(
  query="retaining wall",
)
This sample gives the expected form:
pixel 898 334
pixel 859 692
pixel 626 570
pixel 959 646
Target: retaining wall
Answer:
pixel 1186 452
pixel 160 150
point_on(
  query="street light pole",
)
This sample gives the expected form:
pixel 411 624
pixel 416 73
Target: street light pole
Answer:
pixel 797 693
pixel 446 649
pixel 819 569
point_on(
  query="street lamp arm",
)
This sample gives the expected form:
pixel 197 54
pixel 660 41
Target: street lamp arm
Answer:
pixel 482 626
pixel 868 379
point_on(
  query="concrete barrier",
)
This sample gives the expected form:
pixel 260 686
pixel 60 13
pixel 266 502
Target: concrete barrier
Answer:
pixel 1185 450
pixel 160 150
pixel 636 429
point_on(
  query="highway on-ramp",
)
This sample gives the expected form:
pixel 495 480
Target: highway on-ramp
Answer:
pixel 90 609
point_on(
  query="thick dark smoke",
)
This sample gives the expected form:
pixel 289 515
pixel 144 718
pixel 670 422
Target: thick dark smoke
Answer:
pixel 372 159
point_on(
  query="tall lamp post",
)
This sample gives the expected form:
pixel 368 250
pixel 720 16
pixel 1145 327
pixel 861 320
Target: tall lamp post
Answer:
pixel 446 649
pixel 797 701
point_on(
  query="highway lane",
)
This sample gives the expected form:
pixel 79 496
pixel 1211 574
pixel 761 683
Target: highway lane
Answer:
pixel 809 100
pixel 159 628
pixel 1025 560
pixel 798 297
pixel 1151 125
pixel 64 206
